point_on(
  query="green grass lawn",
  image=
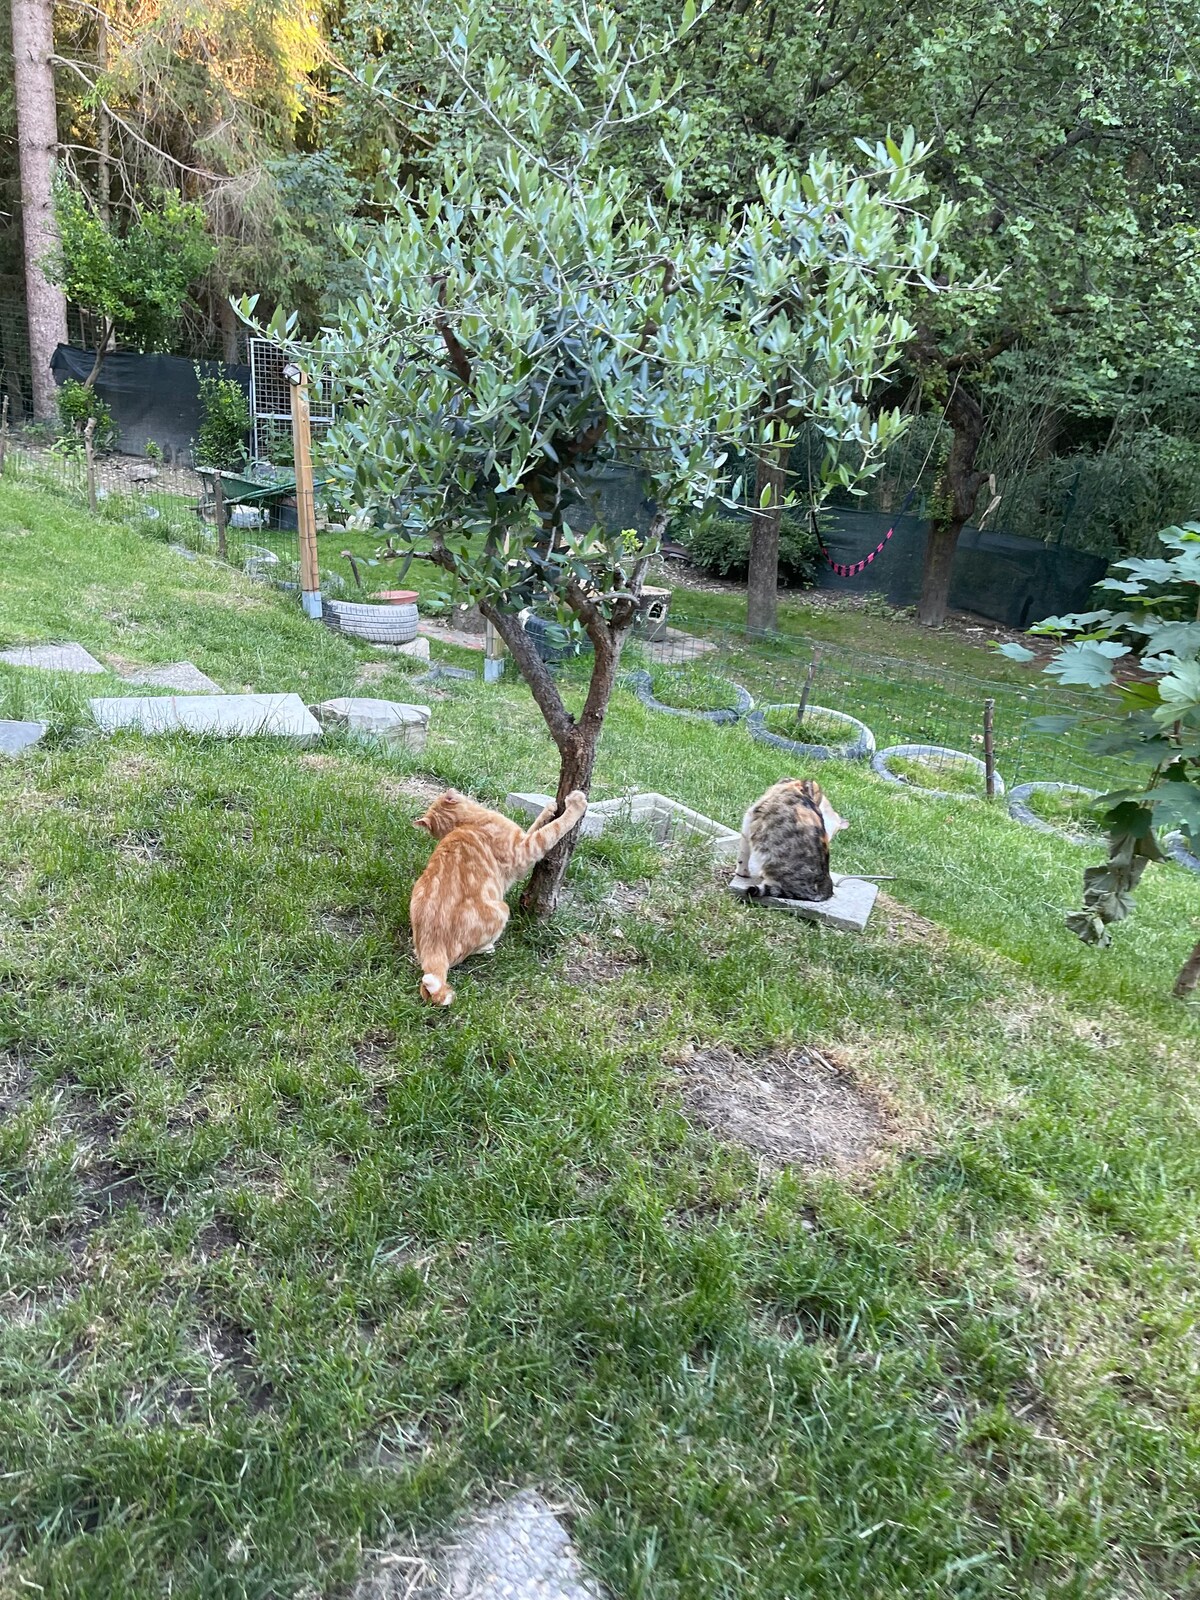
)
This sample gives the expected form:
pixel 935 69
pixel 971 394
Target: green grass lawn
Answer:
pixel 292 1267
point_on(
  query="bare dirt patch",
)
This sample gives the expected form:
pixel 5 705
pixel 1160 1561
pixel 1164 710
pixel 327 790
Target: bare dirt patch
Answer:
pixel 588 961
pixel 904 926
pixel 345 924
pixel 788 1106
pixel 141 848
pixel 415 786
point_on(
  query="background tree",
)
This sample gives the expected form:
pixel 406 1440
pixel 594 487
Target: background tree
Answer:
pixel 532 314
pixel 137 280
pixel 37 143
pixel 822 328
pixel 1066 138
pixel 1157 631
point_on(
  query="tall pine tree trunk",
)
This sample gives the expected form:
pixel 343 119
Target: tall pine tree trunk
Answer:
pixel 762 582
pixel 37 141
pixel 959 490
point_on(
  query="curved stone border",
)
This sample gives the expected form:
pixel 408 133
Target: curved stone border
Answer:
pixel 879 764
pixel 640 683
pixel 1020 812
pixel 858 746
pixel 1175 846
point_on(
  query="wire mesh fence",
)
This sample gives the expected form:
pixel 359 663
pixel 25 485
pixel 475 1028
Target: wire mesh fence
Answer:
pixel 173 503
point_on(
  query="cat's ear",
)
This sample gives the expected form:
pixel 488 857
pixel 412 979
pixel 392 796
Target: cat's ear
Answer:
pixel 423 822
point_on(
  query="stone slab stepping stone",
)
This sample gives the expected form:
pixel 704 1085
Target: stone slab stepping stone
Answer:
pixel 52 658
pixel 390 721
pixel 225 715
pixel 18 736
pixel 517 1551
pixel 182 676
pixel 665 818
pixel 851 904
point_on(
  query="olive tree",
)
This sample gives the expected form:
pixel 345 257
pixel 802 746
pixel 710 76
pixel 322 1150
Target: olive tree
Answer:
pixel 530 313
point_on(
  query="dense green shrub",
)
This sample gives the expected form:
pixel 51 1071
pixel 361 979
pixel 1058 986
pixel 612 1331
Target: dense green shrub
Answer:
pixel 224 423
pixel 76 404
pixel 721 545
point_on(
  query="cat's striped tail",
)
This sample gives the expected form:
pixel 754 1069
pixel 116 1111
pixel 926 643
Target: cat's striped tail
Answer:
pixel 436 990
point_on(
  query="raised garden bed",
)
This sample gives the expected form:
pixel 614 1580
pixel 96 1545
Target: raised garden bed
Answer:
pixel 1176 846
pixel 824 735
pixel 1024 807
pixel 666 819
pixel 692 689
pixel 941 764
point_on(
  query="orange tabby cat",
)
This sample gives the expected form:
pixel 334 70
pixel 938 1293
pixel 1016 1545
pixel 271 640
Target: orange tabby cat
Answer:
pixel 457 907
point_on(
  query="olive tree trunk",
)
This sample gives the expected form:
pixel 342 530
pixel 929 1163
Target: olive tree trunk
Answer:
pixel 762 581
pixel 577 738
pixel 959 490
pixel 37 143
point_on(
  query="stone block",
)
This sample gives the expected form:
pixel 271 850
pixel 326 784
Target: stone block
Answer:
pixel 182 676
pixel 849 907
pixel 18 736
pixel 390 721
pixel 224 715
pixel 52 658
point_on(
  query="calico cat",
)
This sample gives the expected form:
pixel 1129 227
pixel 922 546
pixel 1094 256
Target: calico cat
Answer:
pixel 785 843
pixel 457 906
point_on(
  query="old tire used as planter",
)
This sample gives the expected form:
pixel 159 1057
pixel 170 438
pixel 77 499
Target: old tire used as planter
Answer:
pixel 387 623
pixel 642 686
pixel 919 752
pixel 554 642
pixel 1020 812
pixel 860 741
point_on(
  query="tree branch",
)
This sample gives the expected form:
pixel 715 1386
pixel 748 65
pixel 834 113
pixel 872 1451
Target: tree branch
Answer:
pixel 459 359
pixel 535 672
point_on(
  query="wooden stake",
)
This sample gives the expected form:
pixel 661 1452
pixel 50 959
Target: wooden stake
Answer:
pixel 219 513
pixel 90 452
pixel 3 431
pixel 807 690
pixel 306 511
pixel 989 748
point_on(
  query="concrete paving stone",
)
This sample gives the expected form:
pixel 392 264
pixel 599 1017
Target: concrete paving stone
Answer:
pixel 182 676
pixel 18 736
pixel 225 715
pixel 391 721
pixel 848 909
pixel 52 658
